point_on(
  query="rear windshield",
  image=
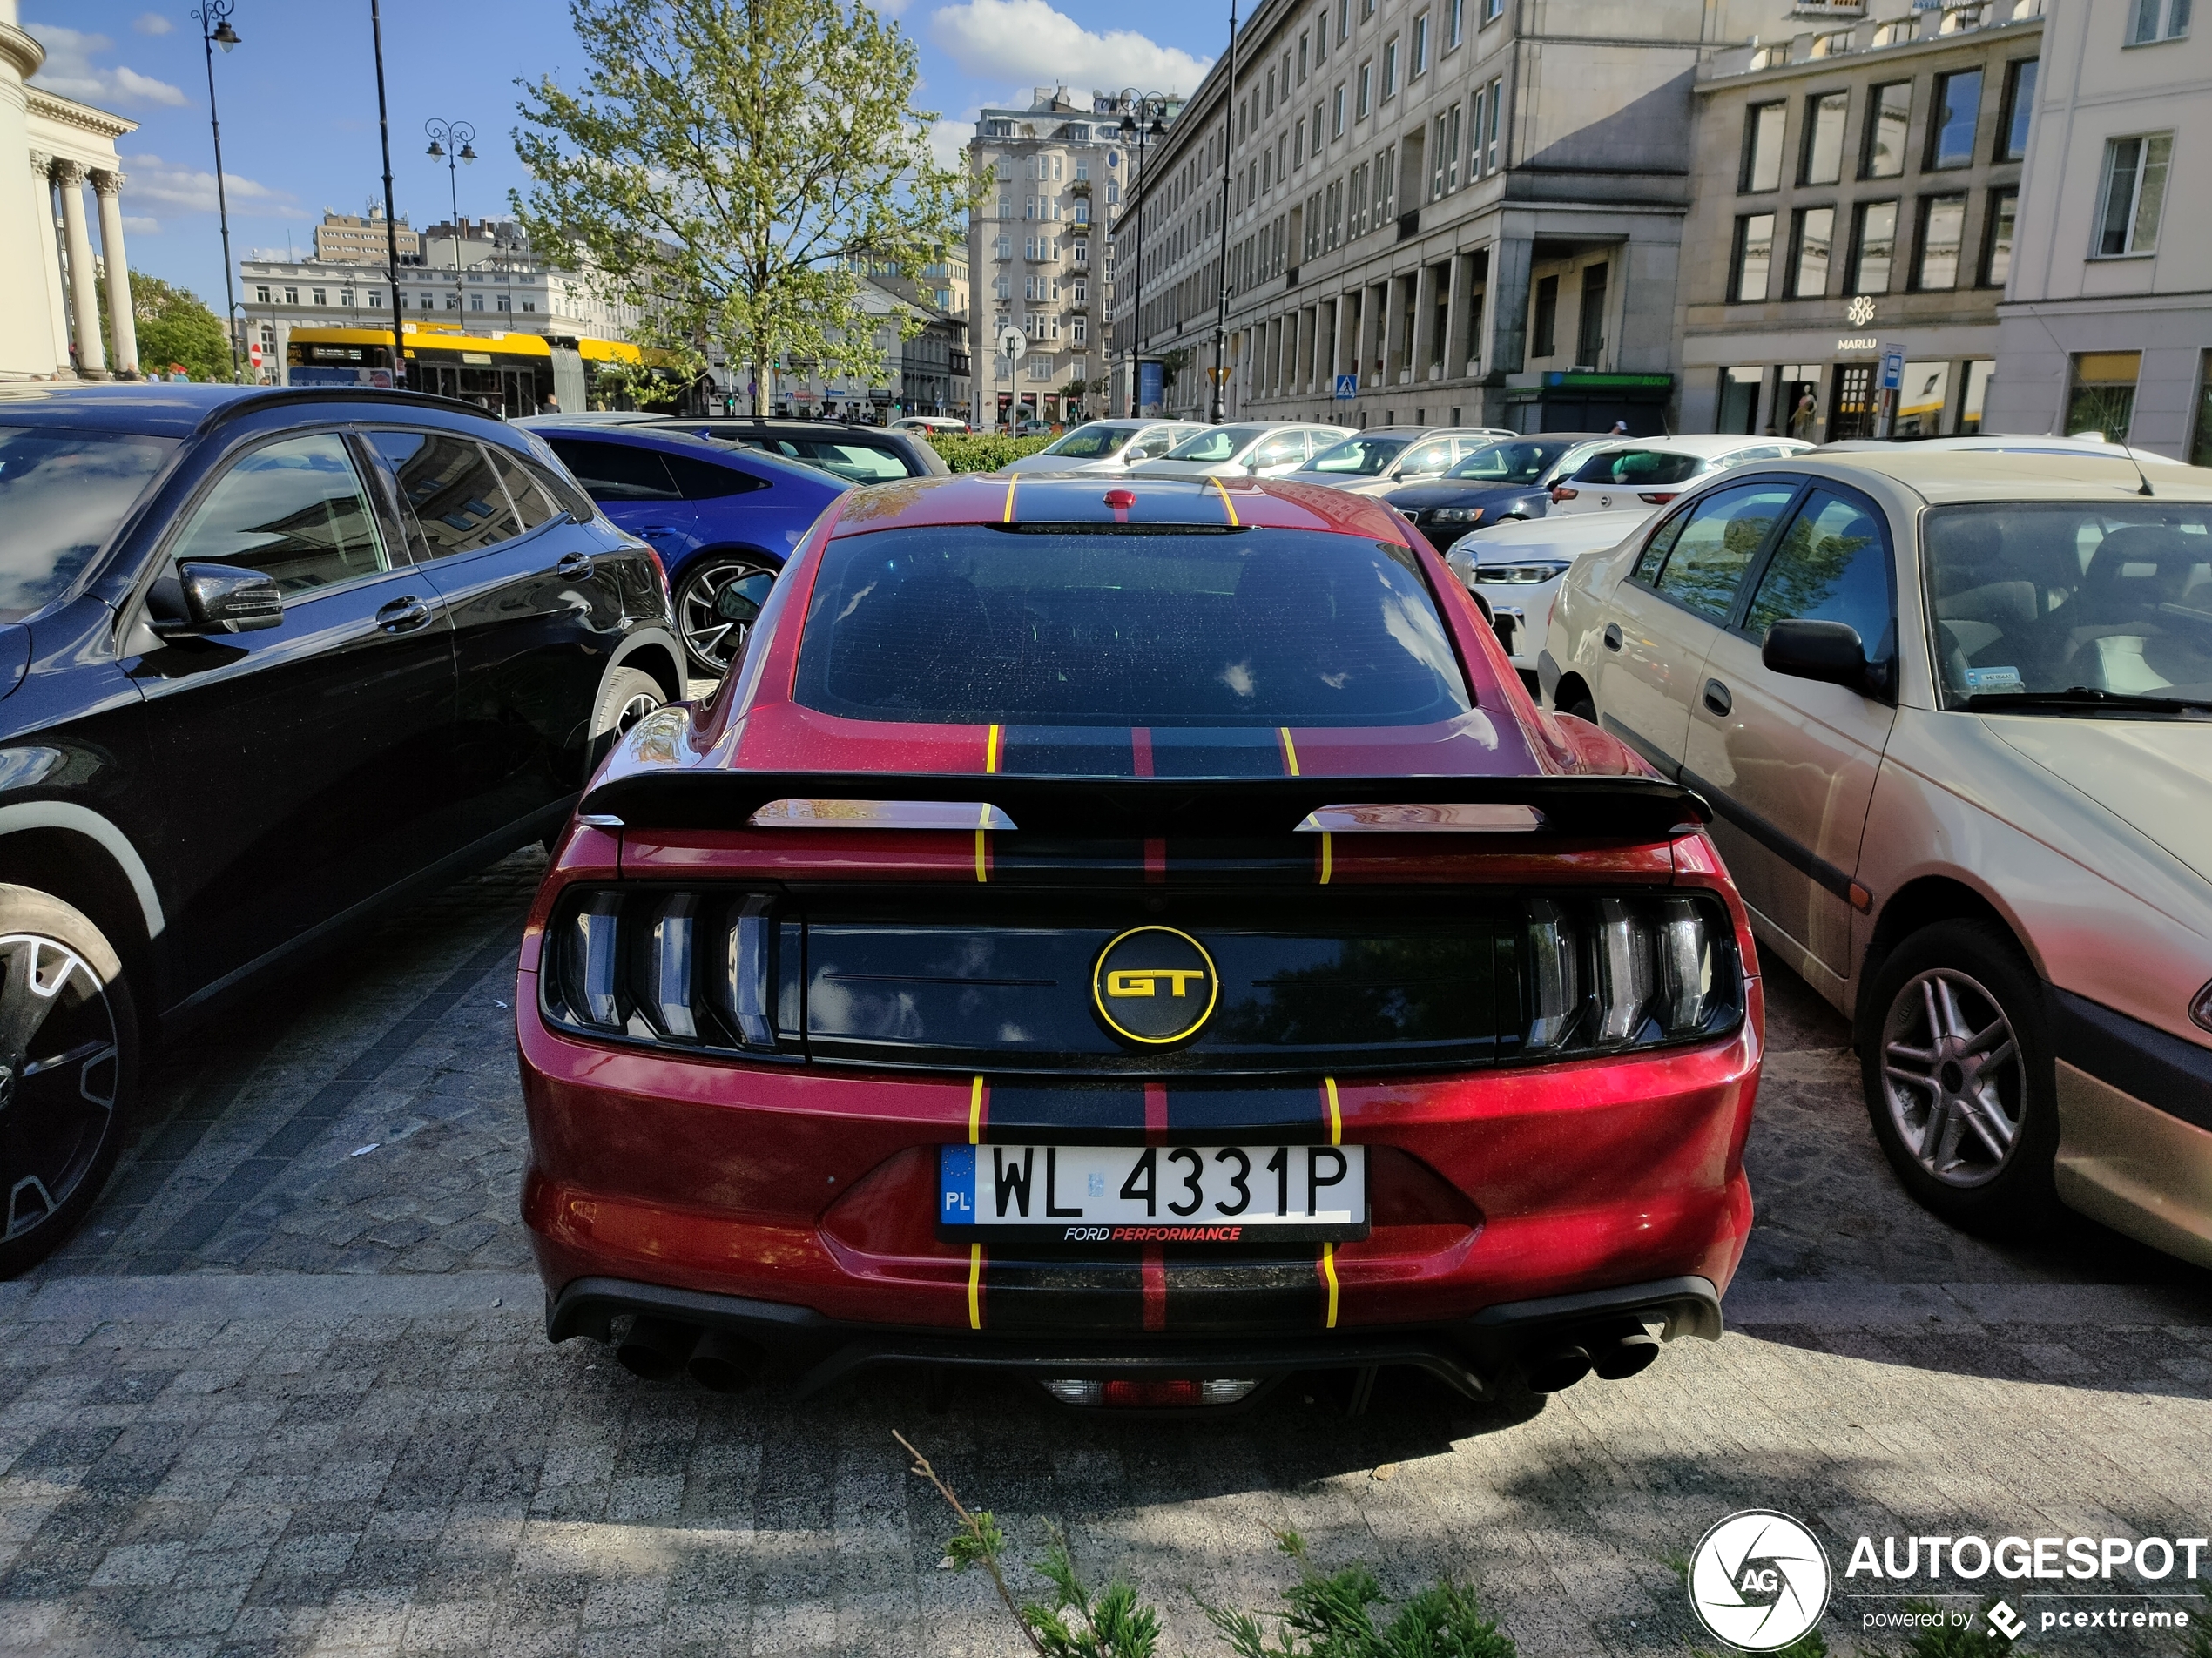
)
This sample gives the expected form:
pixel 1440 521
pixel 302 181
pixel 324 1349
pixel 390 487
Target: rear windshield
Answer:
pixel 1522 463
pixel 62 495
pixel 1633 467
pixel 969 625
pixel 1091 442
pixel 1366 455
pixel 1217 443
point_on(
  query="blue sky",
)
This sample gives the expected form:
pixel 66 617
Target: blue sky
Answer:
pixel 299 97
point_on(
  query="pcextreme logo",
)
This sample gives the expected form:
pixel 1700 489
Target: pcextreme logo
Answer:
pixel 1759 1579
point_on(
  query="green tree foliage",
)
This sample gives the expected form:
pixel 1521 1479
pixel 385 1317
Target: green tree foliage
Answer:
pixel 983 451
pixel 174 326
pixel 732 168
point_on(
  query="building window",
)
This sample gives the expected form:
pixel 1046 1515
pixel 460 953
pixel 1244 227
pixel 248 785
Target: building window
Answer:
pixel 1319 117
pixel 1889 112
pixel 1873 247
pixel 2200 448
pixel 1815 239
pixel 1298 144
pixel 1385 186
pixel 453 303
pixel 2135 194
pixel 1444 145
pixel 1935 265
pixel 2158 20
pixel 1823 162
pixel 1754 260
pixel 1454 22
pixel 1270 92
pixel 505 304
pixel 261 295
pixel 1997 240
pixel 476 302
pixel 2102 399
pixel 292 296
pixel 1490 139
pixel 1336 117
pixel 1958 105
pixel 1333 216
pixel 1418 63
pixel 320 296
pixel 1081 252
pixel 1544 327
pixel 2019 103
pixel 1359 202
pixel 1082 212
pixel 1762 147
pixel 1366 102
pixel 1589 320
pixel 1003 248
pixel 377 299
pixel 345 297
pixel 1492 10
pixel 1740 400
pixel 943 299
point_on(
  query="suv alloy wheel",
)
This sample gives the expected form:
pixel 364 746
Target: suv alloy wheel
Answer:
pixel 713 642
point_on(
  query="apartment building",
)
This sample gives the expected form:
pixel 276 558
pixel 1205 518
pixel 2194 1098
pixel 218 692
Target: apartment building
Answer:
pixel 360 239
pixel 1041 253
pixel 1463 210
pixel 1855 187
pixel 2107 320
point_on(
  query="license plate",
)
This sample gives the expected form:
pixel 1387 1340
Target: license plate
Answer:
pixel 1152 1194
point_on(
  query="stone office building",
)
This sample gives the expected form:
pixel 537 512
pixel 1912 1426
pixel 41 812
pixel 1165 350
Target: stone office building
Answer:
pixel 1439 211
pixel 1859 186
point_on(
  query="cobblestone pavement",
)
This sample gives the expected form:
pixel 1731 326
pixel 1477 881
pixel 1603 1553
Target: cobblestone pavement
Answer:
pixel 288 1392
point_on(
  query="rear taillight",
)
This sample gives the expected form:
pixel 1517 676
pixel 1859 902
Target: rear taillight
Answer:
pixel 667 965
pixel 1657 497
pixel 1607 973
pixel 1561 492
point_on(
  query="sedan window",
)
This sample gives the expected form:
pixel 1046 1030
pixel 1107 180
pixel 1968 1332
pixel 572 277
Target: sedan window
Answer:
pixel 1216 443
pixel 1833 565
pixel 1426 458
pixel 1717 544
pixel 615 472
pixel 1638 469
pixel 62 495
pixel 295 511
pixel 698 480
pixel 1367 456
pixel 1508 462
pixel 1092 442
pixel 531 502
pixel 457 499
pixel 1279 451
pixel 856 462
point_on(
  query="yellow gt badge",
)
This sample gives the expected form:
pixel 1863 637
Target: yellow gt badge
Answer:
pixel 1153 985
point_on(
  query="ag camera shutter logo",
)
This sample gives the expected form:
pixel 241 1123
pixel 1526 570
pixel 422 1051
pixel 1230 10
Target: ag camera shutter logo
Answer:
pixel 1758 1580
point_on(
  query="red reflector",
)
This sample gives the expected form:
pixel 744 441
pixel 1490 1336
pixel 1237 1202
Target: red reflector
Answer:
pixel 1561 492
pixel 1121 497
pixel 1658 497
pixel 1150 1396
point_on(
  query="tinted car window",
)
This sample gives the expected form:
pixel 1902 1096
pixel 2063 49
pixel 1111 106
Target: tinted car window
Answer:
pixel 1508 462
pixel 1277 451
pixel 1718 544
pixel 961 625
pixel 457 498
pixel 1428 457
pixel 531 502
pixel 700 480
pixel 1090 442
pixel 62 495
pixel 616 471
pixel 1216 443
pixel 295 510
pixel 1831 566
pixel 1635 469
pixel 860 462
pixel 1364 456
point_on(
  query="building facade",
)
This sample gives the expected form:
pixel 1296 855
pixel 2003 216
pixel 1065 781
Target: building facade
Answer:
pixel 1857 188
pixel 1439 211
pixel 1041 253
pixel 51 150
pixel 360 239
pixel 2106 321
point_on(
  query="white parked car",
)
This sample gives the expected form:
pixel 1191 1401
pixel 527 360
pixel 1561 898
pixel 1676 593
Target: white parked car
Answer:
pixel 1650 472
pixel 1265 451
pixel 1953 714
pixel 1515 567
pixel 1106 445
pixel 1378 460
pixel 923 425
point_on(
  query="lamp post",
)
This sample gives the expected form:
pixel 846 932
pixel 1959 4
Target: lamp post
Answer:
pixel 1141 121
pixel 1217 410
pixel 391 225
pixel 213 18
pixel 454 143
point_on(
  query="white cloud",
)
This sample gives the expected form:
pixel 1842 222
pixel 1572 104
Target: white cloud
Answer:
pixel 140 226
pixel 153 22
pixel 150 182
pixel 1025 43
pixel 948 139
pixel 70 72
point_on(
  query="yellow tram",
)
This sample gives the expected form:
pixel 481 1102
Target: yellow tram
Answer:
pixel 509 373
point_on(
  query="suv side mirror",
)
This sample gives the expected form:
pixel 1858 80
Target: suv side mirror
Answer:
pixel 213 598
pixel 1830 652
pixel 741 600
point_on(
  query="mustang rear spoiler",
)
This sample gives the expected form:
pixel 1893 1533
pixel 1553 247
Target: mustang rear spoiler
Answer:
pixel 1640 808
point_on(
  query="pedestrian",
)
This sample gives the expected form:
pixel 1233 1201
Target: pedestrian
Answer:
pixel 1806 418
pixel 1620 429
pixel 552 404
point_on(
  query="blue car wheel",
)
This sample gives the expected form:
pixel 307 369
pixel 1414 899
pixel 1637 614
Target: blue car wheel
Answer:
pixel 712 640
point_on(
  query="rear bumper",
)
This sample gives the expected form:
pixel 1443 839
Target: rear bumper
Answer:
pixel 1473 1355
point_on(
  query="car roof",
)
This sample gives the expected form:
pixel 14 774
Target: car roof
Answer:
pixel 1031 497
pixel 1704 444
pixel 1571 532
pixel 676 440
pixel 1993 475
pixel 2010 443
pixel 168 409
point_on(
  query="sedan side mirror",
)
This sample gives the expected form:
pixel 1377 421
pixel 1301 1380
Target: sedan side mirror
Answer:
pixel 213 598
pixel 1830 652
pixel 742 599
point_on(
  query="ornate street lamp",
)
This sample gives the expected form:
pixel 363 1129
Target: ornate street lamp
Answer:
pixel 391 223
pixel 1140 122
pixel 454 143
pixel 216 13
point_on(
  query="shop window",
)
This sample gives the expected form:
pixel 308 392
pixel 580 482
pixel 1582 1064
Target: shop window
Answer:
pixel 1921 399
pixel 1739 401
pixel 1544 326
pixel 2101 399
pixel 1979 374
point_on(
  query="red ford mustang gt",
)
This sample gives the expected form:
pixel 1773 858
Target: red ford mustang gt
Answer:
pixel 1140 937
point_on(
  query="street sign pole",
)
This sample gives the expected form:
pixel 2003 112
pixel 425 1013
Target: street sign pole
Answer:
pixel 1892 379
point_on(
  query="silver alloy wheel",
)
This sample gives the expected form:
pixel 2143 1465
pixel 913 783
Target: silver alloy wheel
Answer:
pixel 634 709
pixel 1954 1077
pixel 59 1067
pixel 714 641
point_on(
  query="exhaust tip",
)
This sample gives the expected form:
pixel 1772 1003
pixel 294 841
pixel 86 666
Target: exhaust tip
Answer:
pixel 723 1362
pixel 655 1349
pixel 1556 1369
pixel 1627 1354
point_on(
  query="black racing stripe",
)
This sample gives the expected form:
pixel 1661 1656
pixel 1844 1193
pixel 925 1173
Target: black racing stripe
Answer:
pixel 1237 861
pixel 2162 1070
pixel 1206 1292
pixel 1296 1115
pixel 1217 752
pixel 1021 1113
pixel 1025 860
pixel 1071 1296
pixel 1068 751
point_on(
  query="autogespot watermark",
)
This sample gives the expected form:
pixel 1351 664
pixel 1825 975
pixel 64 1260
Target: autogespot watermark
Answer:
pixel 1760 1580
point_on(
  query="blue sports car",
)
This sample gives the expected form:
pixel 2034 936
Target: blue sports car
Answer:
pixel 722 518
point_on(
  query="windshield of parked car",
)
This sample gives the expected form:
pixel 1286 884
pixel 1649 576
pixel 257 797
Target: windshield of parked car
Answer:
pixel 2095 604
pixel 63 494
pixel 1633 467
pixel 1521 462
pixel 1055 625
pixel 1217 443
pixel 1364 456
pixel 1092 442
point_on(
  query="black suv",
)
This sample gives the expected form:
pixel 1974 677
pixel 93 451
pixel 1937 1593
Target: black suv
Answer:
pixel 268 658
pixel 856 454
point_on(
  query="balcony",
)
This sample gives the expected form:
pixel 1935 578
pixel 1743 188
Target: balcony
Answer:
pixel 1081 188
